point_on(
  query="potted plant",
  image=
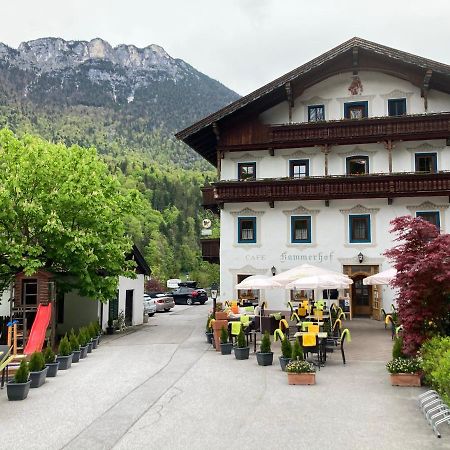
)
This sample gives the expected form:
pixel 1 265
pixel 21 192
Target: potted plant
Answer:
pixel 64 354
pixel 225 346
pixel 19 388
pixel 242 350
pixel 286 353
pixel 265 355
pixel 37 369
pixel 88 339
pixel 93 333
pixel 75 346
pixel 98 330
pixel 297 352
pixel 83 340
pixel 209 333
pixel 301 372
pixel 50 362
pixel 405 371
pixel 110 327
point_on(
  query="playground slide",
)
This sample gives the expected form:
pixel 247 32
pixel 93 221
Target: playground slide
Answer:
pixel 38 330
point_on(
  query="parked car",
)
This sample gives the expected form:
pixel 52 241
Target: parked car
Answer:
pixel 149 306
pixel 162 301
pixel 188 294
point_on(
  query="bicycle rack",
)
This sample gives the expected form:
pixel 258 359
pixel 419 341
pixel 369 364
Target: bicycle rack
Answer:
pixel 434 409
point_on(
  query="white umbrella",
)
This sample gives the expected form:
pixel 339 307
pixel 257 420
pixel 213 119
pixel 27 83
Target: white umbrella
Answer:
pixel 326 281
pixel 302 271
pixel 258 282
pixel 384 277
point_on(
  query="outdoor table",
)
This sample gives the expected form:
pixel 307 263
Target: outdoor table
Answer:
pixel 299 324
pixel 326 316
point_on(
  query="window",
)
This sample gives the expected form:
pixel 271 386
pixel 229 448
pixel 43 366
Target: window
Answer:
pixel 316 113
pixel 247 171
pixel 355 110
pixel 29 292
pixel 426 162
pixel 357 165
pixel 430 216
pixel 397 106
pixel 359 228
pixel 301 229
pixel 299 168
pixel 114 307
pixel 246 230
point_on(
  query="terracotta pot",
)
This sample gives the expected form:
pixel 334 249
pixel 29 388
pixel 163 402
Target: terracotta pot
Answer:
pixel 301 378
pixel 221 315
pixel 217 328
pixel 405 379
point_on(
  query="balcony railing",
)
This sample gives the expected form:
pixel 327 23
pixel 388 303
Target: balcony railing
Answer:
pixel 342 132
pixel 332 187
pixel 210 250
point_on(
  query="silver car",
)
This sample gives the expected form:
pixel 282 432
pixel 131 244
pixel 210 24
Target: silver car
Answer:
pixel 162 301
pixel 149 306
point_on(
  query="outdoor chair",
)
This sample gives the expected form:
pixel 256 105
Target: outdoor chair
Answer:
pixel 310 345
pixel 312 328
pixel 345 335
pixel 302 312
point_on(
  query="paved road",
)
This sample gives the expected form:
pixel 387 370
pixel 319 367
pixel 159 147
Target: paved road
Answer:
pixel 163 387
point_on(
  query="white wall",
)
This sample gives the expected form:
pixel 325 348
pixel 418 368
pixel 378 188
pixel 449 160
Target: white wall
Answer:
pixel 137 285
pixel 277 166
pixel 5 305
pixel 330 248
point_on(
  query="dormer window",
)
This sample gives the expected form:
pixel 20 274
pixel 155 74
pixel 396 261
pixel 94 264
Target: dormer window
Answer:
pixel 246 171
pixel 316 113
pixel 397 106
pixel 357 165
pixel 355 110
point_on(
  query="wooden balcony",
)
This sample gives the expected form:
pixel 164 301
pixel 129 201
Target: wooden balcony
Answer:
pixel 332 187
pixel 341 132
pixel 210 250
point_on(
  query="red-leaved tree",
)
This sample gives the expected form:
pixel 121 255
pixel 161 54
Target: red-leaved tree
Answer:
pixel 422 260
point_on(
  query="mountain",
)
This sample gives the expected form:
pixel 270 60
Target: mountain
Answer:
pixel 116 98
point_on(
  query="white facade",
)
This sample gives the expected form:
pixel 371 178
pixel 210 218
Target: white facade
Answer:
pixel 330 245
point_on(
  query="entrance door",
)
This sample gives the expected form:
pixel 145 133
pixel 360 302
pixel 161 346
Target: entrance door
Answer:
pixel 361 297
pixel 129 307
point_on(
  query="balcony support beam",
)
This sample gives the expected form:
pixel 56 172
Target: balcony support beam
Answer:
pixel 426 87
pixel 325 149
pixel 290 98
pixel 389 145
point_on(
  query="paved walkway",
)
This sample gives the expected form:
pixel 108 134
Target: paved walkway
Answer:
pixel 163 387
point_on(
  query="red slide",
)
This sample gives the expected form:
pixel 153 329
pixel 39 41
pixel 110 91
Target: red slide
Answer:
pixel 39 328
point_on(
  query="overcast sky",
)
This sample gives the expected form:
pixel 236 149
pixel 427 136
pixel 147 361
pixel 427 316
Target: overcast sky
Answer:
pixel 242 43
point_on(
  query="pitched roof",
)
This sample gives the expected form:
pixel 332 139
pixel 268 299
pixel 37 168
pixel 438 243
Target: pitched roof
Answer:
pixel 141 264
pixel 200 135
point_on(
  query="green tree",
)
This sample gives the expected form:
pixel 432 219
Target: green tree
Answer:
pixel 62 211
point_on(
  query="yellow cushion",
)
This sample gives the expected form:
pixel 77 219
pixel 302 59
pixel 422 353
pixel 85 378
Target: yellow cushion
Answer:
pixel 235 328
pixel 309 340
pixel 313 328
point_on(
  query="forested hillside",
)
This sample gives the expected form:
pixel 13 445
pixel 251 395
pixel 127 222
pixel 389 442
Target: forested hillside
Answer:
pixel 126 102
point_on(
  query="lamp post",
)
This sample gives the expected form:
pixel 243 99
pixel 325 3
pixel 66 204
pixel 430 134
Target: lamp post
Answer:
pixel 214 290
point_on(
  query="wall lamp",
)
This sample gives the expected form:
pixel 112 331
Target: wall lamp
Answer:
pixel 273 270
pixel 360 257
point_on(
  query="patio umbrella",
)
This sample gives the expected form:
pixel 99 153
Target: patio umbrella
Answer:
pixel 325 281
pixel 384 277
pixel 303 271
pixel 258 282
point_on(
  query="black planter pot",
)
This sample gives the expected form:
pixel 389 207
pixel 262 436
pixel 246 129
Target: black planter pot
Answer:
pixel 226 348
pixel 83 350
pixel 94 343
pixel 76 356
pixel 52 369
pixel 109 330
pixel 38 378
pixel 89 347
pixel 18 391
pixel 209 335
pixel 241 353
pixel 264 359
pixel 98 340
pixel 284 362
pixel 64 361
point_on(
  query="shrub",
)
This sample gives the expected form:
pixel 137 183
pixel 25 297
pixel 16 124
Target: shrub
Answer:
pixel 299 366
pixel 64 348
pixel 241 342
pixel 37 362
pixel 208 323
pixel 74 342
pixel 265 343
pixel 49 355
pixel 432 351
pixel 22 373
pixel 286 348
pixel 297 351
pixel 91 330
pixel 404 365
pixel 83 337
pixel 397 349
pixel 441 377
pixel 223 335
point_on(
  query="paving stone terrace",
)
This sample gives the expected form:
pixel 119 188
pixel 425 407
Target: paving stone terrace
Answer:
pixel 163 387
